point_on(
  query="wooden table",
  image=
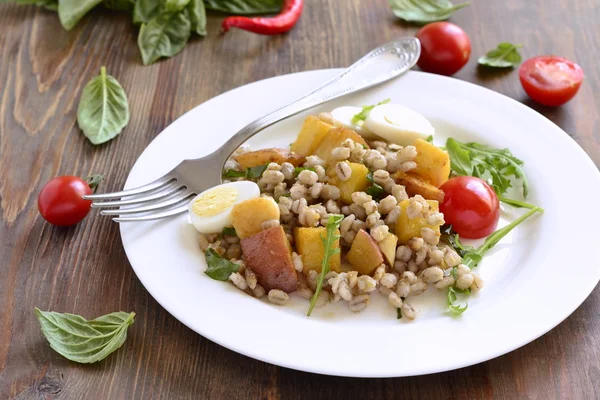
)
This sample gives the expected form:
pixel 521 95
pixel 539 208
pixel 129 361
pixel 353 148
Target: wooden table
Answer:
pixel 84 269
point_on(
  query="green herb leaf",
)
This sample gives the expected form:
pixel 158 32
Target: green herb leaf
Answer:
pixel 119 5
pixel 333 223
pixel 297 170
pixel 425 11
pixel 47 4
pixel 230 173
pixel 243 7
pixel 71 11
pixel 83 341
pixel 256 172
pixel 218 267
pixel 497 166
pixel 93 181
pixel 506 55
pixel 164 36
pixel 198 16
pixel 145 10
pixel 517 203
pixel 455 309
pixel 430 138
pixel 103 108
pixel 228 231
pixel 398 313
pixel 361 116
pixel 175 5
pixel 375 190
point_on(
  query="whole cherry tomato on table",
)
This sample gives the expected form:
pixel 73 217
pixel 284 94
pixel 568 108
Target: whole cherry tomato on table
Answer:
pixel 550 80
pixel 445 48
pixel 61 203
pixel 471 206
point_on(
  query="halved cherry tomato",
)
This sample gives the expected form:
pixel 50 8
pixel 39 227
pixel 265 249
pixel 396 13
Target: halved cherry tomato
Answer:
pixel 550 80
pixel 471 206
pixel 60 201
pixel 445 48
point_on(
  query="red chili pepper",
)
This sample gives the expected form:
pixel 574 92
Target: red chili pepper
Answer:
pixel 281 23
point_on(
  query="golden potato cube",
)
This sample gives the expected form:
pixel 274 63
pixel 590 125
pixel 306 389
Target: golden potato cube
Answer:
pixel 388 248
pixel 357 182
pixel 407 229
pixel 265 156
pixel 433 163
pixel 312 132
pixel 416 185
pixel 334 138
pixel 247 217
pixel 310 247
pixel 364 254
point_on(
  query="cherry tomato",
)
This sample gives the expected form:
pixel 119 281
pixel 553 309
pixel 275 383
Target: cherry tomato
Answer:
pixel 445 48
pixel 471 206
pixel 60 201
pixel 550 80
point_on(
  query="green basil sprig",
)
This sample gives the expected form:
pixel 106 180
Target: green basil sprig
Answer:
pixel 219 268
pixel 506 55
pixel 83 341
pixel 245 7
pixel 164 35
pixel 71 11
pixel 103 108
pixel 425 11
pixel 497 166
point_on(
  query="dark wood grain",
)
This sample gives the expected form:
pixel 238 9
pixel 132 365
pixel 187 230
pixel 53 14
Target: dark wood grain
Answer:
pixel 84 269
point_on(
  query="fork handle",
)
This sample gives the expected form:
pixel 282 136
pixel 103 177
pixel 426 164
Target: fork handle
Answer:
pixel 380 65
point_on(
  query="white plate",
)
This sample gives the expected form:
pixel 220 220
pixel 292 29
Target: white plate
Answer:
pixel 534 278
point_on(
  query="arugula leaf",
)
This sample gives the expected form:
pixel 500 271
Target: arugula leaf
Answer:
pixel 497 166
pixel 228 231
pixel 375 190
pixel 103 108
pixel 430 138
pixel 249 173
pixel 454 308
pixel 424 11
pixel 93 181
pixel 218 267
pixel 164 35
pixel 197 16
pixel 361 116
pixel 71 11
pixel 297 170
pixel 83 341
pixel 506 55
pixel 516 203
pixel 333 223
pixel 243 7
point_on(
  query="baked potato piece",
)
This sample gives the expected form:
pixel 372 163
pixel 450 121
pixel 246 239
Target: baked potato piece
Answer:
pixel 433 163
pixel 247 217
pixel 364 254
pixel 265 156
pixel 312 132
pixel 416 185
pixel 310 247
pixel 407 229
pixel 268 255
pixel 334 138
pixel 388 248
pixel 358 182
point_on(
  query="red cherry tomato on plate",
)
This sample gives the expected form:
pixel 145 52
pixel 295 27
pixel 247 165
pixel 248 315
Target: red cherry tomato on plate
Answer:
pixel 60 201
pixel 445 48
pixel 471 206
pixel 550 80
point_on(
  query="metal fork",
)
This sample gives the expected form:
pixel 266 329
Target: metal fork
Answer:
pixel 170 194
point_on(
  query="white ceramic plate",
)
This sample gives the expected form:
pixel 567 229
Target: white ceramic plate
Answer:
pixel 525 295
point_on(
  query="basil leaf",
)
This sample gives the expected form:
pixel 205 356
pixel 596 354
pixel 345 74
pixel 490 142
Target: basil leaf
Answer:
pixel 424 11
pixel 83 341
pixel 506 55
pixel 175 5
pixel 256 172
pixel 164 36
pixel 197 16
pixel 333 223
pixel 103 109
pixel 219 268
pixel 361 116
pixel 228 231
pixel 245 6
pixel 47 4
pixel 455 309
pixel 145 10
pixel 120 5
pixel 71 11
